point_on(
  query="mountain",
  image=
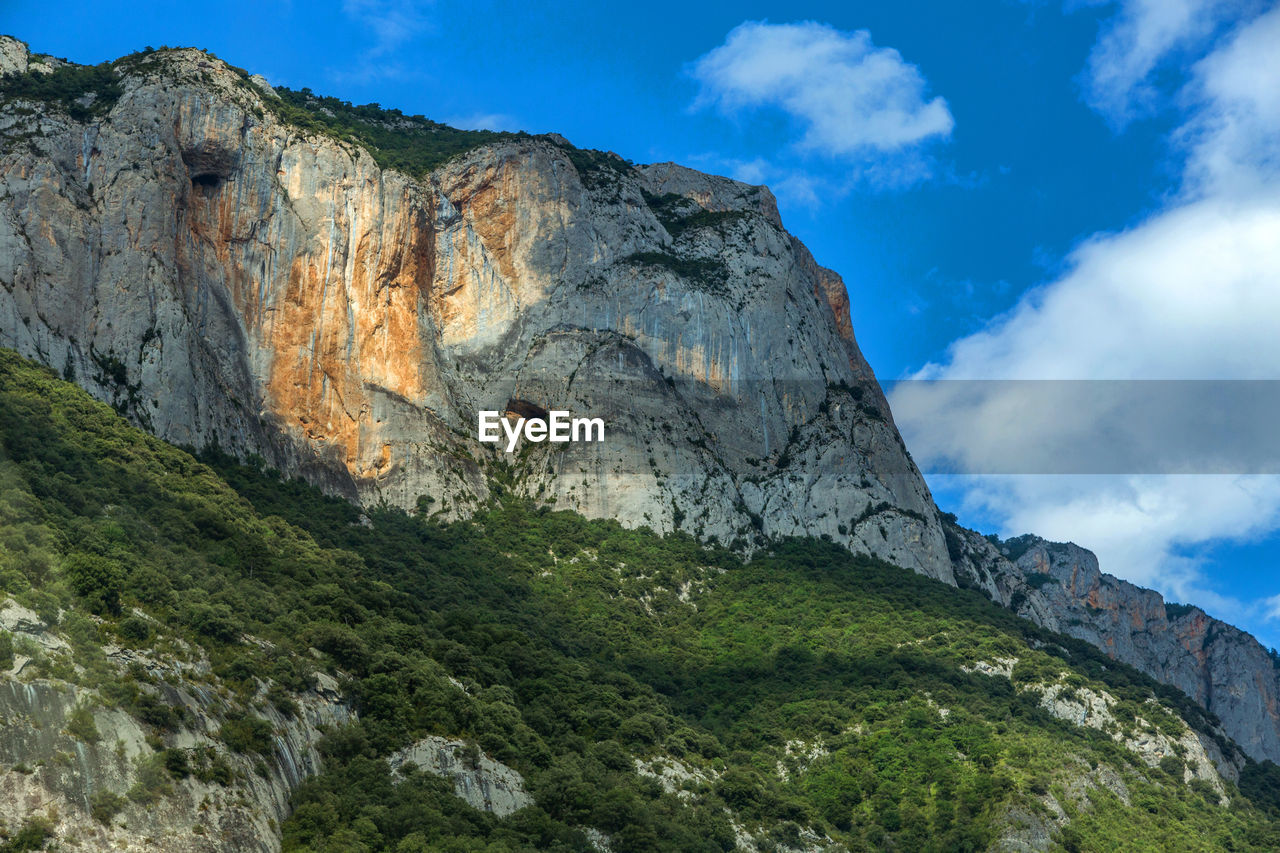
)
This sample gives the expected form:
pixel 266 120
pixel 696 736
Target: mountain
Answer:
pixel 201 656
pixel 246 272
pixel 1059 586
pixel 335 293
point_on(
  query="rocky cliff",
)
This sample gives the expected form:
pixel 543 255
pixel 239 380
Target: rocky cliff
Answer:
pixel 176 240
pixel 221 275
pixel 103 777
pixel 1059 585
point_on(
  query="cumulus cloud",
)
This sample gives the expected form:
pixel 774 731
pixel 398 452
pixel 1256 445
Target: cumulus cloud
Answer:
pixel 1192 293
pixel 850 97
pixel 1139 526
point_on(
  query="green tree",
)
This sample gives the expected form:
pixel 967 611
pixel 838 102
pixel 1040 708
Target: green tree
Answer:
pixel 97 580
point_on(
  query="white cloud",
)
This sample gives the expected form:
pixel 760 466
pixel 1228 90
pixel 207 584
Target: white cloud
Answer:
pixel 1136 525
pixel 852 98
pixel 1193 292
pixel 792 188
pixel 390 25
pixel 1135 42
pixel 1233 138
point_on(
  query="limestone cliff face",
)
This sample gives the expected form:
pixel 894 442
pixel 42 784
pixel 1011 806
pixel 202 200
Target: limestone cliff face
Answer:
pixel 223 277
pixel 1060 586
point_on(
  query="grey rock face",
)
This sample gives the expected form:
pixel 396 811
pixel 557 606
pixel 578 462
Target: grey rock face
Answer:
pixel 220 276
pixel 485 784
pixel 51 772
pixel 14 55
pixel 1060 586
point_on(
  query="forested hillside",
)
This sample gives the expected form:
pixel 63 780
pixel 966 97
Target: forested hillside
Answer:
pixel 654 693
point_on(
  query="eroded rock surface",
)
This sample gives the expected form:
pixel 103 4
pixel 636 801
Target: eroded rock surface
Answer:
pixel 1060 586
pixel 485 784
pixel 64 748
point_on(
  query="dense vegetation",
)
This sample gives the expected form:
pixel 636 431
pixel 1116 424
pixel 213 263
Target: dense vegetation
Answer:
pixel 414 144
pixel 807 690
pixel 411 144
pixel 82 91
pixel 709 274
pixel 679 214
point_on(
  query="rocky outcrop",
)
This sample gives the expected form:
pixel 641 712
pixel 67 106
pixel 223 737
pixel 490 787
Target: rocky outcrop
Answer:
pixel 221 276
pixel 1174 746
pixel 1060 586
pixel 485 784
pixel 98 774
pixel 14 56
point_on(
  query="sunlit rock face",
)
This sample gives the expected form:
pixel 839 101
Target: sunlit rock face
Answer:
pixel 222 277
pixel 1060 586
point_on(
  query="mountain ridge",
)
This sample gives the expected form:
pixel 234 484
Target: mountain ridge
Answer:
pixel 1061 587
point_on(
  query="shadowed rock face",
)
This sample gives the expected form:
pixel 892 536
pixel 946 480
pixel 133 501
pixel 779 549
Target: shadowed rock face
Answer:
pixel 1059 585
pixel 221 277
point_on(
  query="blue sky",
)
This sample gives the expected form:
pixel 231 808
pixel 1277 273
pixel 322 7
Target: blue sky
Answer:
pixel 975 171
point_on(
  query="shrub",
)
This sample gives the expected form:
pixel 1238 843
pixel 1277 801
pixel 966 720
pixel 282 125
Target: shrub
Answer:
pixel 80 724
pixel 247 734
pixel 282 701
pixel 82 91
pixel 104 805
pixel 33 835
pixel 154 712
pixel 215 622
pixel 175 761
pixel 134 629
pixel 411 144
pixel 151 781
pixel 95 579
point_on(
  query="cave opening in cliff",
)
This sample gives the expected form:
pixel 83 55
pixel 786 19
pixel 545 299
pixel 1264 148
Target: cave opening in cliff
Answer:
pixel 207 180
